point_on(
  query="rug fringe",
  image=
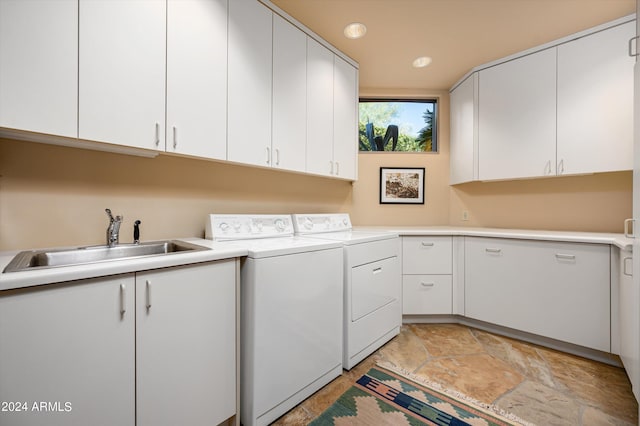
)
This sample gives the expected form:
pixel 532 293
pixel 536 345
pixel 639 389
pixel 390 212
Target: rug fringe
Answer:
pixel 492 409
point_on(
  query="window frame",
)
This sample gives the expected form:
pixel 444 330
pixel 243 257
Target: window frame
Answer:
pixel 436 117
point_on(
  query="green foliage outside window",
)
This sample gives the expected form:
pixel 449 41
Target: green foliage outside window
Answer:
pixel 399 126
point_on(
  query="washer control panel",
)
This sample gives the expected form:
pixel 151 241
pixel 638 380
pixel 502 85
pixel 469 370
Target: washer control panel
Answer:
pixel 244 226
pixel 318 223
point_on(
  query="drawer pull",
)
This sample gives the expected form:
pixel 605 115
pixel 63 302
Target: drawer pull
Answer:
pixel 493 250
pixel 428 244
pixel 629 230
pixel 625 269
pixel 565 256
pixel 148 301
pixel 377 270
pixel 123 299
pixel 423 284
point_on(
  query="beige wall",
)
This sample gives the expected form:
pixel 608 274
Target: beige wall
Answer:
pixel 52 196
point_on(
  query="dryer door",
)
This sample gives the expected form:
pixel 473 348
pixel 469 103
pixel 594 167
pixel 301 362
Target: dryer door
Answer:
pixel 373 286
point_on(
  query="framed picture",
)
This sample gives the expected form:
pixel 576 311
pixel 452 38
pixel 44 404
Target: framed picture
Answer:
pixel 401 185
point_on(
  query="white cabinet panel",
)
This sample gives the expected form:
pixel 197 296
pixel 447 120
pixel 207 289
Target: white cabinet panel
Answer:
pixel 629 321
pixel 372 286
pixel 517 118
pixel 319 108
pixel 556 290
pixel 345 119
pixel 464 114
pixel 39 66
pixel 249 83
pixel 427 294
pixel 289 96
pixel 197 78
pixel 122 72
pixel 595 102
pixel 427 255
pixel 185 345
pixel 70 343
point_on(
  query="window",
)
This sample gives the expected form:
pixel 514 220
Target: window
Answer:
pixel 398 125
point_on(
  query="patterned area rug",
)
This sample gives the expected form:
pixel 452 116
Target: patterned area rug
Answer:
pixel 384 397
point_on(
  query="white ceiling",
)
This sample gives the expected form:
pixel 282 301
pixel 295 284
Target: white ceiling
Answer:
pixel 457 34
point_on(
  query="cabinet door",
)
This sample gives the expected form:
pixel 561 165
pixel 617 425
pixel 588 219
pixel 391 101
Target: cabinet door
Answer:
pixel 70 345
pixel 197 78
pixel 289 96
pixel 122 72
pixel 39 66
pixel 556 290
pixel 319 108
pixel 345 119
pixel 517 118
pixel 464 112
pixel 595 102
pixel 249 83
pixel 629 321
pixel 185 345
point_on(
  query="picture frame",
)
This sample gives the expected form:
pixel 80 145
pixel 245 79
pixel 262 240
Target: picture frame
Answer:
pixel 402 185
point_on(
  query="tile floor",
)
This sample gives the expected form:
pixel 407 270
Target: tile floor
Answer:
pixel 540 385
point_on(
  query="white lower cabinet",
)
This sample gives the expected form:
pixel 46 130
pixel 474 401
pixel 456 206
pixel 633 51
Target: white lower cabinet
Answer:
pixel 71 347
pixel 629 321
pixel 552 289
pixel 427 280
pixel 84 353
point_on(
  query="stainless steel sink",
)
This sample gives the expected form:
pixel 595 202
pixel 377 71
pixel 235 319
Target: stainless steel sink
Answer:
pixel 37 259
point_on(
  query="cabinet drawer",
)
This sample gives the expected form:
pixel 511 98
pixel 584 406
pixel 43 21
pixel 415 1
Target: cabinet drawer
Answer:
pixel 426 294
pixel 427 255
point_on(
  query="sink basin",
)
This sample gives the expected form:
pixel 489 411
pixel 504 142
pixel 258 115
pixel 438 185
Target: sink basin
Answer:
pixel 36 259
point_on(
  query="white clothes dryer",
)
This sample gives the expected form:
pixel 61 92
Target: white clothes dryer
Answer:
pixel 372 282
pixel 291 312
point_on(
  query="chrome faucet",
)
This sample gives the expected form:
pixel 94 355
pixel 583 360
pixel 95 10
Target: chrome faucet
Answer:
pixel 113 231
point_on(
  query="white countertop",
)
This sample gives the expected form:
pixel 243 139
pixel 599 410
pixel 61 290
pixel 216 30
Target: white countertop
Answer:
pixel 618 240
pixel 13 280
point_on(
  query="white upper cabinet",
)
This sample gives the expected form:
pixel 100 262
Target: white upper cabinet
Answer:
pixel 319 108
pixel 464 114
pixel 39 66
pixel 197 78
pixel 122 72
pixel 345 119
pixel 517 118
pixel 289 96
pixel 249 83
pixel 595 102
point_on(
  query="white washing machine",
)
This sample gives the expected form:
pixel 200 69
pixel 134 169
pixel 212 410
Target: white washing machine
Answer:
pixel 291 312
pixel 372 282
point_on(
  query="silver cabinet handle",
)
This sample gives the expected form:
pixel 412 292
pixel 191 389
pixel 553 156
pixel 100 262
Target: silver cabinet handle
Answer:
pixel 547 168
pixel 268 155
pixel 337 168
pixel 427 244
pixel 565 256
pixel 423 284
pixel 493 250
pixel 377 270
pixel 148 295
pixel 157 134
pixel 175 137
pixel 123 299
pixel 629 228
pixel 277 156
pixel 561 167
pixel 631 52
pixel 624 269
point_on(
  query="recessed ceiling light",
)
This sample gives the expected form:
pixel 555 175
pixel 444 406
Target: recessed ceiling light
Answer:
pixel 421 62
pixel 355 30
